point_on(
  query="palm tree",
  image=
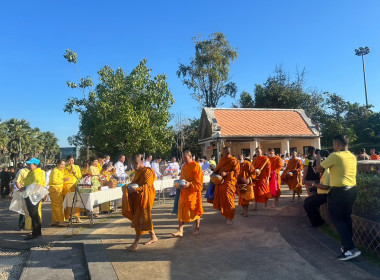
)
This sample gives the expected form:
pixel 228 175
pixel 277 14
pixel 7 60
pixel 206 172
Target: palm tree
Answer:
pixel 19 132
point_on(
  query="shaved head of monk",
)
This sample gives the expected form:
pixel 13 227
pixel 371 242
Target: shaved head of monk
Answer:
pixel 226 152
pixel 137 162
pixel 294 154
pixel 187 156
pixel 271 152
pixel 259 152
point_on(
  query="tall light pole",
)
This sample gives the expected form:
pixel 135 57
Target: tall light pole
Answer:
pixel 362 52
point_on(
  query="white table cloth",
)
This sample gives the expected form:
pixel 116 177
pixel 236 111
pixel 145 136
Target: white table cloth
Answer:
pixel 97 198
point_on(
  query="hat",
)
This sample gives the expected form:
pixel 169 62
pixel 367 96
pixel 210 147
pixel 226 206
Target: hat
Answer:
pixel 33 161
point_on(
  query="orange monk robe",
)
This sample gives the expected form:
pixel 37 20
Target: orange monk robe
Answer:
pixel 293 181
pixel 374 157
pixel 247 171
pixel 261 184
pixel 224 197
pixel 190 200
pixel 137 206
pixel 276 165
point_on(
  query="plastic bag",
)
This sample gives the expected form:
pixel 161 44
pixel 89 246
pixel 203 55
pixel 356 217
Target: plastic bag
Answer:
pixel 18 204
pixel 35 193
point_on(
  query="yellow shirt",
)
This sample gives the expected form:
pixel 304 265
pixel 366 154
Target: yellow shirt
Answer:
pixel 56 178
pixel 325 180
pixel 93 170
pixel 73 178
pixel 342 167
pixel 37 176
pixel 22 175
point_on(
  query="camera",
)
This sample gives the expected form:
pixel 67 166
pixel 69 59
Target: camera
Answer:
pixel 322 153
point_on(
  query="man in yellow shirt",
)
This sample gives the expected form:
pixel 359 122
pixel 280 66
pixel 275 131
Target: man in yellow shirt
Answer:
pixel 36 176
pixel 342 165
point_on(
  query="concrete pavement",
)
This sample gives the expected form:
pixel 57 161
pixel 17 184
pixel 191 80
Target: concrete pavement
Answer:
pixel 269 244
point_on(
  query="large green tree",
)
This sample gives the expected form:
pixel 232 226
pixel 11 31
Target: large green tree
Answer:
pixel 207 74
pixel 124 112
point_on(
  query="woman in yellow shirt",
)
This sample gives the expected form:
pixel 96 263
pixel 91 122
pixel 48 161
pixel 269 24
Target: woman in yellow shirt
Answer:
pixel 56 194
pixel 71 176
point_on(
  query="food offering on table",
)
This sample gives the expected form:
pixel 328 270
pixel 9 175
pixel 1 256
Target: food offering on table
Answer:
pixel 85 185
pixel 216 179
pixel 179 184
pixel 96 183
pixel 171 173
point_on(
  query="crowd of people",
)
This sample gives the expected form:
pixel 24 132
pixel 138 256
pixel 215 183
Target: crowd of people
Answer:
pixel 327 178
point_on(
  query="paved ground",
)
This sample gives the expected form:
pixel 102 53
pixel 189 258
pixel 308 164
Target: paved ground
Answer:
pixel 269 244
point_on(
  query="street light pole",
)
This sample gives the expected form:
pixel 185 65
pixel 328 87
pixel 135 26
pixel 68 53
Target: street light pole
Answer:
pixel 362 52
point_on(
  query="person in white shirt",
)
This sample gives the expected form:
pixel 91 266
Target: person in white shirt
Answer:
pixel 148 161
pixel 173 166
pixel 156 167
pixel 206 164
pixel 120 168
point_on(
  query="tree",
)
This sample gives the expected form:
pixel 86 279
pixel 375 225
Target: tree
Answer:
pixel 125 113
pixel 207 75
pixel 279 92
pixel 49 146
pixel 22 141
pixel 246 100
pixel 186 134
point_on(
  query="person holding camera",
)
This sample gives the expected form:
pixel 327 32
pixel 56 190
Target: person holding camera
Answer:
pixel 343 192
pixel 309 172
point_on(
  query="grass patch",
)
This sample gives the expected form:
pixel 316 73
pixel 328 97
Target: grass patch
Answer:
pixel 368 256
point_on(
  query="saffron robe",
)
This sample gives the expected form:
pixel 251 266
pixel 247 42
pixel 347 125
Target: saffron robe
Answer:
pixel 293 181
pixel 137 206
pixel 224 197
pixel 247 171
pixel 261 184
pixel 190 200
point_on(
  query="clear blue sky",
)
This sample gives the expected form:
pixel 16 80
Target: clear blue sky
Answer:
pixel 318 35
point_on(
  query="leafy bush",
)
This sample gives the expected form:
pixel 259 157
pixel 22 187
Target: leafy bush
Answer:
pixel 367 203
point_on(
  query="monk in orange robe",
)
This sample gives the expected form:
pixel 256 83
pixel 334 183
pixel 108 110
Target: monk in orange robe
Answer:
pixel 261 184
pixel 190 200
pixel 374 156
pixel 224 197
pixel 137 203
pixel 292 175
pixel 246 176
pixel 275 168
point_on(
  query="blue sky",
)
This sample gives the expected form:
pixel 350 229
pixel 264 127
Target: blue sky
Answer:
pixel 318 35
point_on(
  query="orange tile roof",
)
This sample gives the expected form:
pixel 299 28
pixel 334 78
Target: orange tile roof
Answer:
pixel 261 123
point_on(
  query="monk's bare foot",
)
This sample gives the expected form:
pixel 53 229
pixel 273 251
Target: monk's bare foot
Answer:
pixel 132 248
pixel 151 241
pixel 245 214
pixel 229 222
pixel 196 231
pixel 177 234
